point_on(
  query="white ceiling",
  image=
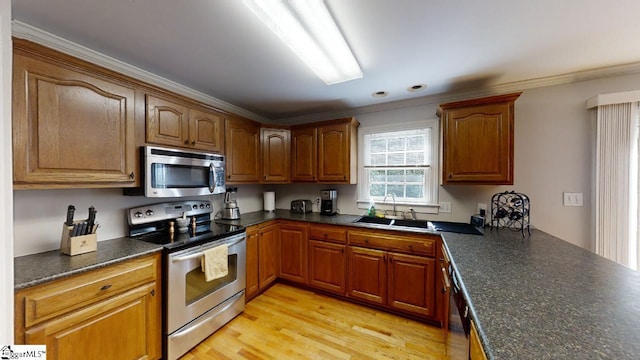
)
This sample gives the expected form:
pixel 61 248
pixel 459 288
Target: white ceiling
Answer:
pixel 218 47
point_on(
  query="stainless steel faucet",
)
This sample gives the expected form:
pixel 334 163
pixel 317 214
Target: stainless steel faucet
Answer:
pixel 413 214
pixel 393 197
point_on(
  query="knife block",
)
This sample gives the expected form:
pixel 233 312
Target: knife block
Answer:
pixel 76 245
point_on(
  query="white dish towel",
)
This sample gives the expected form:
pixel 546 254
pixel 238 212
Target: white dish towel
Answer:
pixel 214 262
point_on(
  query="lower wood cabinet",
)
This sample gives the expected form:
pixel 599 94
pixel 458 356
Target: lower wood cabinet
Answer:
pixel 110 313
pixel 327 263
pixel 252 287
pixel 293 252
pixel 262 257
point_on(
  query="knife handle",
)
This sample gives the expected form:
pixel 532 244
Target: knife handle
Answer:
pixel 70 211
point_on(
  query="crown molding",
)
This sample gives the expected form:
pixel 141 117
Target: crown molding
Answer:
pixel 31 33
pixel 490 90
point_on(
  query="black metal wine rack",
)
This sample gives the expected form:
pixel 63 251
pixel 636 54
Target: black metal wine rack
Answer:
pixel 511 210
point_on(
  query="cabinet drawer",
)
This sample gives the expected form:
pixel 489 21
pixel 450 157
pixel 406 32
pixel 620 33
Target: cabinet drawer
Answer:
pixel 328 233
pixel 410 245
pixel 65 295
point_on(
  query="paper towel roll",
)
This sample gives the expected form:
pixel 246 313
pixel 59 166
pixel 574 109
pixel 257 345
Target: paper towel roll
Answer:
pixel 269 201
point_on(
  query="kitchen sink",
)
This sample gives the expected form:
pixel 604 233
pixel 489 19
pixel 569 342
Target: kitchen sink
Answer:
pixel 393 222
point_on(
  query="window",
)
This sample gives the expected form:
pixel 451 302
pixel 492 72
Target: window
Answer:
pixel 399 160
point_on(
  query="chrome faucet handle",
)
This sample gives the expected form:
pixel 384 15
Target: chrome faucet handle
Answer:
pixel 413 214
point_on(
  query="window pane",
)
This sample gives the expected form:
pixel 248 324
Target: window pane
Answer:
pixel 415 143
pixel 396 144
pixel 415 158
pixel 415 191
pixel 378 145
pixel 396 159
pixel 415 175
pixel 397 190
pixel 377 176
pixel 378 159
pixel 377 190
pixel 395 176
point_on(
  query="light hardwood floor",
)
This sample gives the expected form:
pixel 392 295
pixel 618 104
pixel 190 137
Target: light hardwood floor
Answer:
pixel 290 323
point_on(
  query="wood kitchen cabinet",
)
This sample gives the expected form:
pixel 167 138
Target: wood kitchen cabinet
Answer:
pixel 384 269
pixel 242 150
pixel 110 313
pixel 304 154
pixel 327 258
pixel 267 255
pixel 252 287
pixel 477 140
pixel 176 123
pixel 73 122
pixel 276 155
pixel 337 151
pixel 293 252
pixel 325 152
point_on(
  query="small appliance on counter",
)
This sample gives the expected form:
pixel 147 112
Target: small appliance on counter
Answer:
pixel 328 202
pixel 301 206
pixel 231 210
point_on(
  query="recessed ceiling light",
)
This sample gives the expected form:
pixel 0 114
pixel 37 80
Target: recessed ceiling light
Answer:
pixel 380 94
pixel 417 87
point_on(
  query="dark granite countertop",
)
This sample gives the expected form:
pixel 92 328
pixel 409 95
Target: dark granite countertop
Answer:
pixel 30 270
pixel 539 297
pixel 533 297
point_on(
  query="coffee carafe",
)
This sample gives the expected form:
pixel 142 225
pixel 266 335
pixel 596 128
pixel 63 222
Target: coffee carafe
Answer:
pixel 231 210
pixel 328 202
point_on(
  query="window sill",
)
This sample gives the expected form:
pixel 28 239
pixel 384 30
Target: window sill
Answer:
pixel 401 207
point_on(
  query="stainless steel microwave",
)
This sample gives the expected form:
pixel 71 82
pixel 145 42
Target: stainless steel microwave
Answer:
pixel 177 173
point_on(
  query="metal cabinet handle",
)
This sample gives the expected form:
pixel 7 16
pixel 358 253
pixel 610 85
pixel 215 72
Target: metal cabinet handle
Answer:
pixel 193 143
pixel 186 142
pixel 105 287
pixel 132 175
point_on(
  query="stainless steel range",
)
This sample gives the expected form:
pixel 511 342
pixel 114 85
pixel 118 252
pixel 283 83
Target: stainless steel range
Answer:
pixel 193 307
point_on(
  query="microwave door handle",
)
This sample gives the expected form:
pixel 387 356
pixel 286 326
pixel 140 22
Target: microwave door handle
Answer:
pixel 212 178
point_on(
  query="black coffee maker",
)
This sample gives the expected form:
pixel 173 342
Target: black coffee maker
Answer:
pixel 328 202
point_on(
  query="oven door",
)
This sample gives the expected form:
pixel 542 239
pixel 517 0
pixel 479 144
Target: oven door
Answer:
pixel 189 295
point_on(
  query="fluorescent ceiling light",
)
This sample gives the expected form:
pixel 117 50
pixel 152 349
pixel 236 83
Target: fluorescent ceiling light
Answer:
pixel 306 26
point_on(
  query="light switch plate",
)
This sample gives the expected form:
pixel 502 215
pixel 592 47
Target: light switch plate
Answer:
pixel 572 199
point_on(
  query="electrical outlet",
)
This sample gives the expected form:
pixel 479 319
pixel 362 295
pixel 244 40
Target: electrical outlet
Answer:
pixel 445 207
pixel 481 207
pixel 572 199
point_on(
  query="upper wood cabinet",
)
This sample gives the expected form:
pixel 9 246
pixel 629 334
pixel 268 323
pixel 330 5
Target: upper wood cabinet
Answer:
pixel 304 154
pixel 326 152
pixel 477 140
pixel 276 155
pixel 73 122
pixel 242 150
pixel 180 124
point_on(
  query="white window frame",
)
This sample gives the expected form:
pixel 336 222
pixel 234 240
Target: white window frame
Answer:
pixel 432 206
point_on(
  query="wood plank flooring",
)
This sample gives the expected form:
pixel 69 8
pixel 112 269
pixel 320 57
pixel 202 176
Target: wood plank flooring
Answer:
pixel 290 323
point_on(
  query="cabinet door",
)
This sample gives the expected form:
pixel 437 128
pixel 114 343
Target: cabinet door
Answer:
pixel 477 138
pixel 304 150
pixel 167 122
pixel 267 256
pixel 333 153
pixel 205 131
pixel 252 263
pixel 367 275
pixel 276 151
pixel 412 283
pixel 122 327
pixel 70 128
pixel 242 149
pixel 476 352
pixel 327 266
pixel 293 252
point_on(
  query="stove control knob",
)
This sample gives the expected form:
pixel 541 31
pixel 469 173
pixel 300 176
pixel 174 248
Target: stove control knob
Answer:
pixel 195 206
pixel 149 212
pixel 137 215
pixel 208 206
pixel 201 206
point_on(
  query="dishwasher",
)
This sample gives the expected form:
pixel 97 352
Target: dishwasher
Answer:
pixel 457 323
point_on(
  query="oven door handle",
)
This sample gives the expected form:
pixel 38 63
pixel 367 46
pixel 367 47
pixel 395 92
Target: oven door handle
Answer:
pixel 199 253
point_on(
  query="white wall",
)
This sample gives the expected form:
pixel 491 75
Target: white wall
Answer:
pixel 6 186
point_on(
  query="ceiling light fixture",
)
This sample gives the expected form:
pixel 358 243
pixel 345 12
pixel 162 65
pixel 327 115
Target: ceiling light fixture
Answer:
pixel 306 26
pixel 380 94
pixel 417 87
